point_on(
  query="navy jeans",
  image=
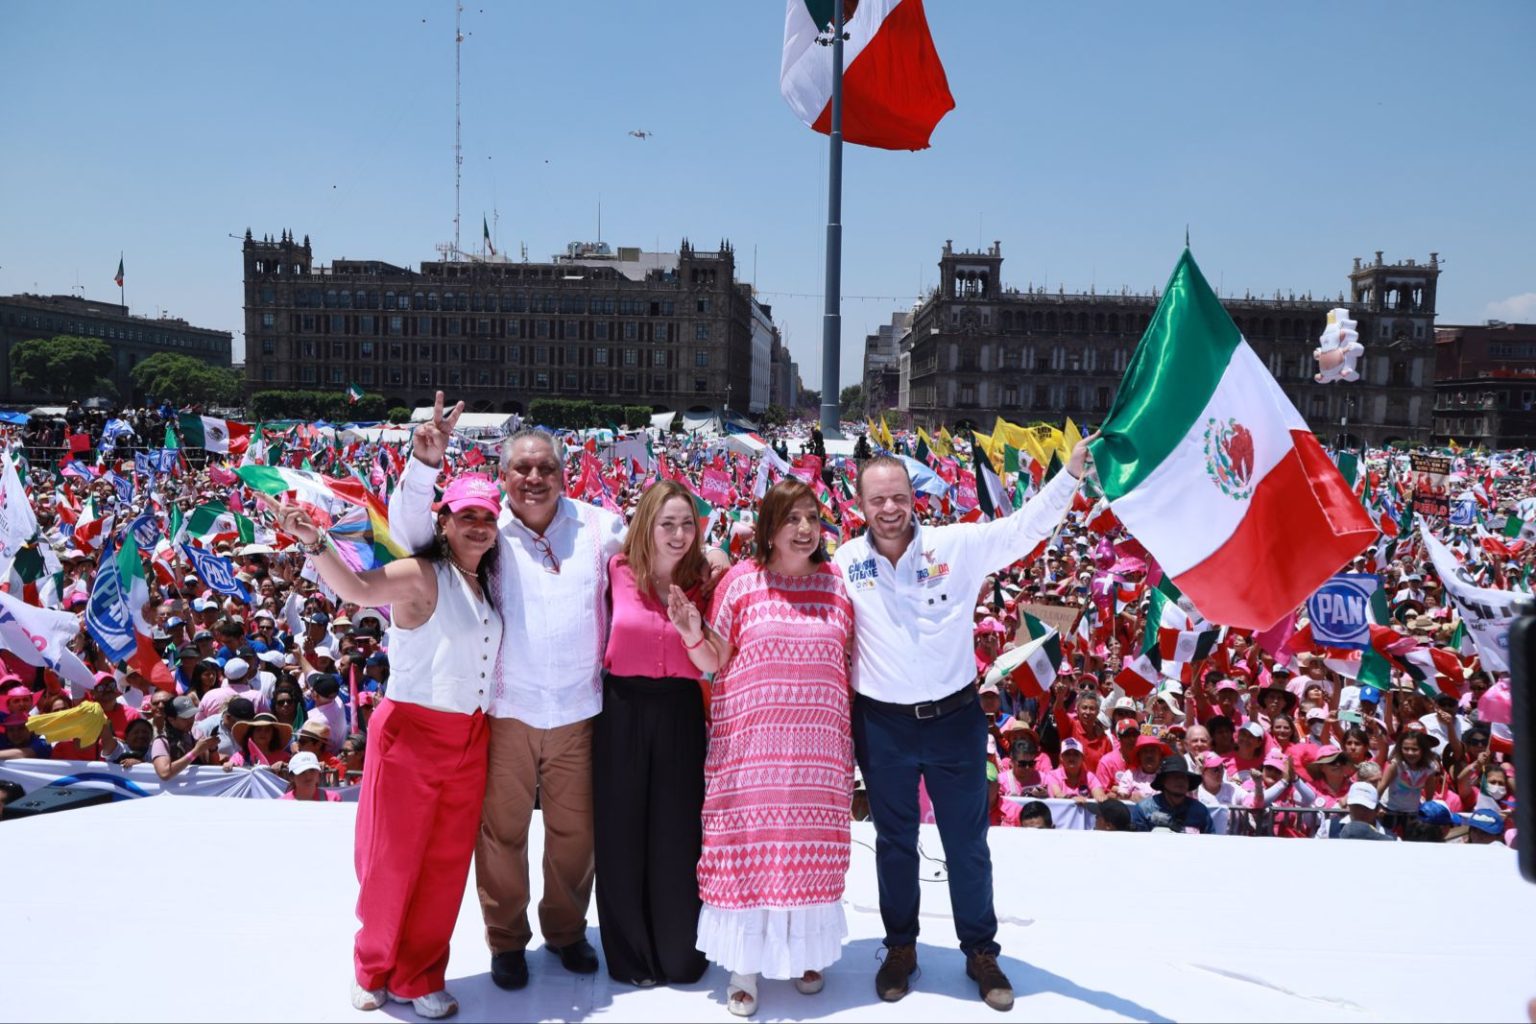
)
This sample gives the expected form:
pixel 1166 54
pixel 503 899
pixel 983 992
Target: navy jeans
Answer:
pixel 950 755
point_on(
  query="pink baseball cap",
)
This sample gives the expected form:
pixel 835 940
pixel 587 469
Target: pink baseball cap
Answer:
pixel 1211 759
pixel 472 491
pixel 1276 760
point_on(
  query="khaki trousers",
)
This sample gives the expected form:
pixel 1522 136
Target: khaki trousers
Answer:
pixel 555 764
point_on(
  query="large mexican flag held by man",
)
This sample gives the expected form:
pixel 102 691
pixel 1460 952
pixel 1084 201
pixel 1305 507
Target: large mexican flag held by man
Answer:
pixel 894 88
pixel 1214 472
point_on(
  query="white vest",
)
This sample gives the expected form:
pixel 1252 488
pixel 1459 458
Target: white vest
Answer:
pixel 448 661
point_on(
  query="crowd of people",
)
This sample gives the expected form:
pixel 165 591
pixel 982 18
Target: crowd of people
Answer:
pixel 702 664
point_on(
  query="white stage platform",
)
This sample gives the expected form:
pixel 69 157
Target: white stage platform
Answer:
pixel 1093 927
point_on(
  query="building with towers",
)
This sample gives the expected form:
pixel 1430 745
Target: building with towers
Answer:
pixel 978 348
pixel 674 330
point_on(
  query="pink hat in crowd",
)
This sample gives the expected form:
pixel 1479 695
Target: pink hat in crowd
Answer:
pixel 472 491
pixel 1275 759
pixel 1071 745
pixel 1227 684
pixel 990 625
pixel 1211 759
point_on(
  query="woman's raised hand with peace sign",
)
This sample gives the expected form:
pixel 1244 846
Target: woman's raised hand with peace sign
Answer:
pixel 429 443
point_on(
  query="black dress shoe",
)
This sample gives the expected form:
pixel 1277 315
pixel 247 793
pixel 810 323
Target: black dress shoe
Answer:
pixel 509 970
pixel 578 957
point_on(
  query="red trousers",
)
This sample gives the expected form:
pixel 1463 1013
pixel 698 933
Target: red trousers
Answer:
pixel 417 818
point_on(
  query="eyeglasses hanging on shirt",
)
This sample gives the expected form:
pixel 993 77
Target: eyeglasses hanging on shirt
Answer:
pixel 551 563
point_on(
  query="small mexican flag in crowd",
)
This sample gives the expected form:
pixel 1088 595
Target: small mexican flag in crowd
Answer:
pixel 215 435
pixel 354 394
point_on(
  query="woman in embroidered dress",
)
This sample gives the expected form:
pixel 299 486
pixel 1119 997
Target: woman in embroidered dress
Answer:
pixel 779 772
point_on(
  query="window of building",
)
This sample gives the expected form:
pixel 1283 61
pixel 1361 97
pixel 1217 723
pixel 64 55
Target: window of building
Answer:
pixel 423 350
pixel 269 373
pixel 701 306
pixel 396 375
pixel 701 332
pixel 424 377
pixel 541 381
pixel 701 358
pixel 630 334
pixel 700 385
pixel 630 357
pixel 268 347
pixel 365 375
pixel 659 384
pixel 365 349
pixel 514 378
pixel 600 330
pixel 967 394
pixel 541 328
pixel 541 354
pixel 456 378
pixel 658 359
pixel 600 357
pixel 307 349
pixel 482 352
pixel 1399 373
pixel 306 375
pixel 268 321
pixel 629 383
pixel 396 324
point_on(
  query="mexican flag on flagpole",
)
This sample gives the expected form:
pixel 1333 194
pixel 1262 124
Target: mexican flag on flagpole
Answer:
pixel 354 394
pixel 223 436
pixel 1213 471
pixel 894 89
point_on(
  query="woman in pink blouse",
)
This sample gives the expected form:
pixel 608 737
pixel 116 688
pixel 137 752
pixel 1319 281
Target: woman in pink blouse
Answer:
pixel 648 751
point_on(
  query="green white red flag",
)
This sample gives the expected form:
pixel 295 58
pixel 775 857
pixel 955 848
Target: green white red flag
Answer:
pixel 894 88
pixel 1213 471
pixel 215 435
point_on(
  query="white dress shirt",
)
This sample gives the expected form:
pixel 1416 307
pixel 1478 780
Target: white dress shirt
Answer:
pixel 914 631
pixel 554 625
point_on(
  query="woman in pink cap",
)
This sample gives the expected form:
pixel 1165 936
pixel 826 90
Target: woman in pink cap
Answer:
pixel 419 807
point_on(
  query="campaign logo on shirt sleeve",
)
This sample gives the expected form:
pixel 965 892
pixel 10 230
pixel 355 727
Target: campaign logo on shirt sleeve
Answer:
pixel 863 574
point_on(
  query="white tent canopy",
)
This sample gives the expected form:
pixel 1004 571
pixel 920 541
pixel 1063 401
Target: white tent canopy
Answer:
pixel 742 444
pixel 482 424
pixel 662 421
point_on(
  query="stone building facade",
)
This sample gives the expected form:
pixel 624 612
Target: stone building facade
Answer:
pixel 132 339
pixel 978 349
pixel 1485 385
pixel 671 330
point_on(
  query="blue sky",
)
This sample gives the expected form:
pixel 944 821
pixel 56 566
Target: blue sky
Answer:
pixel 1289 137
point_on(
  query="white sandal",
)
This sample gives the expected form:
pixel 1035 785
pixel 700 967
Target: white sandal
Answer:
pixel 741 984
pixel 810 983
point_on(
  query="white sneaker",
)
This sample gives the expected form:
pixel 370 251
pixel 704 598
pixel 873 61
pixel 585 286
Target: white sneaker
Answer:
pixel 432 1006
pixel 366 998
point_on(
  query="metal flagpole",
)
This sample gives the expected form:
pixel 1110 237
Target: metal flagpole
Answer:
pixel 832 320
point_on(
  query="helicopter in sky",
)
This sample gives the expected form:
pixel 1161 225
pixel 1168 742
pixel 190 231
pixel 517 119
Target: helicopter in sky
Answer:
pixel 641 133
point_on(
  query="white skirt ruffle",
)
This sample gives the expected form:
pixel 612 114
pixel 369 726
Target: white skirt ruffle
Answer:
pixel 774 943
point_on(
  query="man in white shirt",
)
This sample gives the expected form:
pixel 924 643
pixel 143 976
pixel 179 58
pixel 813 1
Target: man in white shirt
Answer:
pixel 916 716
pixel 550 589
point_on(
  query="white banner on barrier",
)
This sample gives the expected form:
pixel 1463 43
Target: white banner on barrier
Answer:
pixel 141 780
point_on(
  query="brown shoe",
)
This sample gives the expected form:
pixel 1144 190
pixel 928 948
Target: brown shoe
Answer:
pixel 996 989
pixel 891 979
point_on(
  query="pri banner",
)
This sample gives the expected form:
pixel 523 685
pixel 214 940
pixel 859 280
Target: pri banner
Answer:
pixel 1340 611
pixel 1486 612
pixel 1431 493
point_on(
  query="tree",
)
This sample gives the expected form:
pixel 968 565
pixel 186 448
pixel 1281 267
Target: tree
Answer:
pixel 183 379
pixel 851 402
pixel 64 365
pixel 775 416
pixel 810 398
